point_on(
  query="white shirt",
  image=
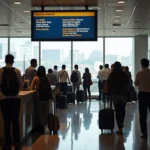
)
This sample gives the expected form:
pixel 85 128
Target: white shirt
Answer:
pixel 105 74
pixel 99 76
pixel 63 76
pixel 55 72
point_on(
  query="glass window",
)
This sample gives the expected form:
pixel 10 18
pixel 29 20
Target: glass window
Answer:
pixel 23 50
pixel 3 50
pixel 89 54
pixel 56 53
pixel 120 49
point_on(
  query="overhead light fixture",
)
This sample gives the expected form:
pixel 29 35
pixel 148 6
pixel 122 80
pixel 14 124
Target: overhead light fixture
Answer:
pixel 116 20
pixel 121 2
pixel 119 10
pixel 17 3
pixel 95 8
pixel 26 11
pixel 115 27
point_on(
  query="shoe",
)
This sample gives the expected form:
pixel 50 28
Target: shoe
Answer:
pixel 120 132
pixel 144 136
pixel 6 148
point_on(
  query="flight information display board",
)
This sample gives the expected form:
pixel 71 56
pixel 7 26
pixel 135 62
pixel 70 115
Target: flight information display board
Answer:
pixel 64 26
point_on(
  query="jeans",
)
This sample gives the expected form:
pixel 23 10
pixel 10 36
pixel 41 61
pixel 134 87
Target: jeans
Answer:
pixel 144 105
pixel 10 109
pixel 87 88
pixel 76 87
pixel 120 105
pixel 105 95
pixel 63 87
pixel 100 87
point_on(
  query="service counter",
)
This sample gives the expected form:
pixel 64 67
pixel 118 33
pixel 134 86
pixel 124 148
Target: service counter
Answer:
pixel 27 118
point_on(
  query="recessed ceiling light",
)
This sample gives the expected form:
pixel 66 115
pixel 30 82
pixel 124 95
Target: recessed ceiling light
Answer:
pixel 119 10
pixel 26 11
pixel 121 2
pixel 116 20
pixel 95 8
pixel 17 3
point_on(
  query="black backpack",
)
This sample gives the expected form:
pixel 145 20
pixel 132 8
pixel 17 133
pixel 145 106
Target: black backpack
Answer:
pixel 74 77
pixel 44 90
pixel 9 85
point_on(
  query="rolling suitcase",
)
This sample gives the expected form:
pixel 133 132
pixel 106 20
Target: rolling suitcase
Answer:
pixel 61 102
pixel 69 88
pixel 81 96
pixel 106 118
pixel 53 121
pixel 71 97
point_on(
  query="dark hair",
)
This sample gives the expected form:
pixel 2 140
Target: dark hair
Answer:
pixel 33 61
pixel 101 67
pixel 41 72
pixel 9 59
pixel 144 63
pixel 76 66
pixel 63 66
pixel 106 65
pixel 126 68
pixel 50 71
pixel 117 68
pixel 55 67
pixel 87 70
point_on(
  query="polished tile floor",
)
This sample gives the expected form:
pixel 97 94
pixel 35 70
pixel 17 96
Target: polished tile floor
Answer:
pixel 79 131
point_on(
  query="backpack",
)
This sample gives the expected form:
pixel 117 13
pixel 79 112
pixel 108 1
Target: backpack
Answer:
pixel 9 85
pixel 44 90
pixel 74 77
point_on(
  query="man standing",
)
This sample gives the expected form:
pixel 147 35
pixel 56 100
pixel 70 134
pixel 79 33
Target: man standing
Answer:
pixel 55 72
pixel 63 76
pixel 30 72
pixel 105 74
pixel 11 84
pixel 76 79
pixel 143 82
pixel 100 83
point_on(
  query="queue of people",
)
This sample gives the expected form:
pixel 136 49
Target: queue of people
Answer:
pixel 117 79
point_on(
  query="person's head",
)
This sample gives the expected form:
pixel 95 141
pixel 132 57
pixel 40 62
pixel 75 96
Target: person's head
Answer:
pixel 117 67
pixel 55 67
pixel 87 70
pixel 33 63
pixel 50 71
pixel 127 69
pixel 63 66
pixel 76 67
pixel 9 59
pixel 107 66
pixel 100 67
pixel 145 63
pixel 123 68
pixel 112 66
pixel 41 72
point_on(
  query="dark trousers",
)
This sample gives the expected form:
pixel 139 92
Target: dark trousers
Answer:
pixel 63 87
pixel 100 88
pixel 144 105
pixel 87 88
pixel 120 114
pixel 10 111
pixel 105 95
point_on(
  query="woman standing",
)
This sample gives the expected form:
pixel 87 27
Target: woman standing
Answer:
pixel 87 81
pixel 118 87
pixel 44 91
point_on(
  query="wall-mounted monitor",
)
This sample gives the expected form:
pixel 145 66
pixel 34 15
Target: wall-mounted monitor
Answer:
pixel 64 25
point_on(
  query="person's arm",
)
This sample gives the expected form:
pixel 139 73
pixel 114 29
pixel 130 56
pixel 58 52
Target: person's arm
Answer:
pixel 33 84
pixel 83 76
pixel 20 82
pixel 98 76
pixel 137 80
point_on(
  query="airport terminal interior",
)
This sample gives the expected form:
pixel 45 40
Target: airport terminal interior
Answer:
pixel 122 30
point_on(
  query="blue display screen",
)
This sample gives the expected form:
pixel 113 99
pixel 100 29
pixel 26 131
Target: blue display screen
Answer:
pixel 64 26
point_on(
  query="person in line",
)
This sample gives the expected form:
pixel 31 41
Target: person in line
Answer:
pixel 63 77
pixel 44 91
pixel 143 82
pixel 104 76
pixel 10 102
pixel 118 87
pixel 87 81
pixel 52 78
pixel 30 72
pixel 76 79
pixel 55 72
pixel 100 83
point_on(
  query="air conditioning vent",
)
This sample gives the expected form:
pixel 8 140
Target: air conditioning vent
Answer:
pixel 116 25
pixel 4 25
